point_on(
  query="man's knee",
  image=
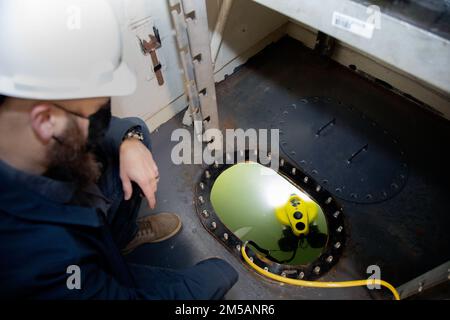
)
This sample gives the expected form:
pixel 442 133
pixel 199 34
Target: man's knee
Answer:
pixel 211 279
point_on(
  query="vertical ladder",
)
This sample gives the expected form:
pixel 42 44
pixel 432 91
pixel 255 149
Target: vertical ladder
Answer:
pixel 191 28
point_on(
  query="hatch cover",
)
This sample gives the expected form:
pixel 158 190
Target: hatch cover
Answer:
pixel 345 151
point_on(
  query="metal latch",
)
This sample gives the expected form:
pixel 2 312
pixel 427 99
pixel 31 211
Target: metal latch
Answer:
pixel 150 47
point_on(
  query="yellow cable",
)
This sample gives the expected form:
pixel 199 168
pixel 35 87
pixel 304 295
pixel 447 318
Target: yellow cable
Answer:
pixel 317 284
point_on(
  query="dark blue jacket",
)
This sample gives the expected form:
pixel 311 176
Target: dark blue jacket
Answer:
pixel 41 236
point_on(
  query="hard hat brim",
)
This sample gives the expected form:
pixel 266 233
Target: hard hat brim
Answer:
pixel 122 83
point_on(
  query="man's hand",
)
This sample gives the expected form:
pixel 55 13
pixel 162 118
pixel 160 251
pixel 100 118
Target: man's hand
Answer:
pixel 137 165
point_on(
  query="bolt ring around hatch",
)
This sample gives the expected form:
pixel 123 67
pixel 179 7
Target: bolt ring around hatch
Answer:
pixel 332 211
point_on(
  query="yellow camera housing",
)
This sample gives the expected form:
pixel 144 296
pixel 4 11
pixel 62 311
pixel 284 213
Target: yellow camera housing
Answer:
pixel 298 213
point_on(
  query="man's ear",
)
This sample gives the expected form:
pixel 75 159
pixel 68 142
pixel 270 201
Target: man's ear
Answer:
pixel 42 122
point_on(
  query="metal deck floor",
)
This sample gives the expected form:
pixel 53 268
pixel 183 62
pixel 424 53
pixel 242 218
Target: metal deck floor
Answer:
pixel 406 235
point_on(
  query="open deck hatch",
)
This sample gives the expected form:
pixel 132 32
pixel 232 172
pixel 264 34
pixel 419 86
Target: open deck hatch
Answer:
pixel 237 203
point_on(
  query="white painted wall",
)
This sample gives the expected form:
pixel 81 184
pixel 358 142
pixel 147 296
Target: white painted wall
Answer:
pixel 248 24
pixel 249 29
pixel 137 18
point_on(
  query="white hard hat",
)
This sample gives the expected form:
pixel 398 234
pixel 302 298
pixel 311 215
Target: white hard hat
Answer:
pixel 61 49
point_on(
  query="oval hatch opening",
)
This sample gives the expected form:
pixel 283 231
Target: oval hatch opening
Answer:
pixel 245 197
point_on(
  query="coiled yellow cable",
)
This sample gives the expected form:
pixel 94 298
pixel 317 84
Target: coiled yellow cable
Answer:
pixel 317 284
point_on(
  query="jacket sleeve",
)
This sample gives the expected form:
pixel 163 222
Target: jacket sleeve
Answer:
pixel 208 279
pixel 98 285
pixel 68 270
pixel 117 130
pixel 95 284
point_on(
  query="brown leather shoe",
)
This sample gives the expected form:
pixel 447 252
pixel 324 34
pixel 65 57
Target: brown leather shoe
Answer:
pixel 154 228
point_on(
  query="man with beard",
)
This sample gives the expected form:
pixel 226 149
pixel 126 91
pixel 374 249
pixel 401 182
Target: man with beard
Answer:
pixel 71 175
